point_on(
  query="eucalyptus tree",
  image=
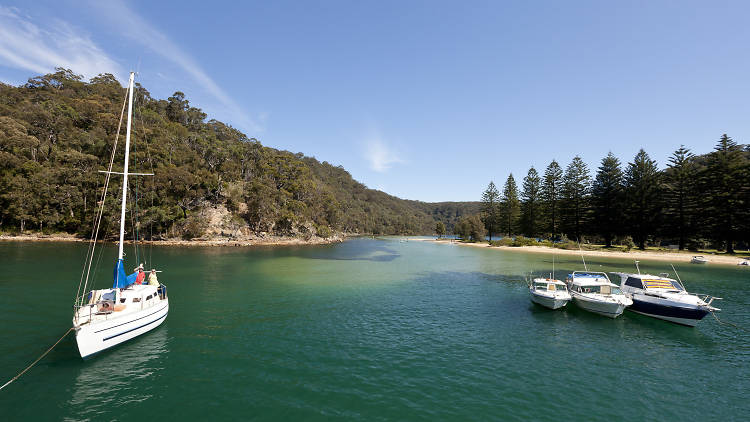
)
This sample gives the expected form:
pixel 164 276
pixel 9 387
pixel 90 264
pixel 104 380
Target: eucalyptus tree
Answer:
pixel 723 204
pixel 490 207
pixel 551 193
pixel 642 189
pixel 576 187
pixel 607 199
pixel 680 194
pixel 510 206
pixel 439 229
pixel 531 203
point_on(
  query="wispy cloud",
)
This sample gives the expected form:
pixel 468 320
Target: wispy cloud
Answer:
pixel 380 154
pixel 139 30
pixel 25 45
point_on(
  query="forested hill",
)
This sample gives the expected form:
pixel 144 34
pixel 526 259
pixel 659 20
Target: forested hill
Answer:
pixel 57 130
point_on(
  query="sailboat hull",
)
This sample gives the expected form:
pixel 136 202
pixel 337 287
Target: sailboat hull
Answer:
pixel 100 336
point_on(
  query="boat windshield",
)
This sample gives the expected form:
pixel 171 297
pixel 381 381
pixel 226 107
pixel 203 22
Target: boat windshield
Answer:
pixel 605 290
pixel 540 286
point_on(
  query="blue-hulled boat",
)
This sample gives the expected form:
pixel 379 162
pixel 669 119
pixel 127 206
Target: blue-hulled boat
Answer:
pixel 665 298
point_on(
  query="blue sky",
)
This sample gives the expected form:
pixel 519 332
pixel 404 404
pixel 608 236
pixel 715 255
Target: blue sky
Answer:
pixel 424 100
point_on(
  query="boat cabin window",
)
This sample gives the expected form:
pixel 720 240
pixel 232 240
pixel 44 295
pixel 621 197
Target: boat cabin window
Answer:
pixel 634 282
pixel 148 297
pixel 136 299
pixel 540 286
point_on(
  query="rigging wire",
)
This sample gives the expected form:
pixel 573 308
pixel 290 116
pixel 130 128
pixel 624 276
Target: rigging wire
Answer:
pixel 85 273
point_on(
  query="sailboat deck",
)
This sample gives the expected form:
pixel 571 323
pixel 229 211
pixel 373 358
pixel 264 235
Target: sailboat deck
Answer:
pixel 109 304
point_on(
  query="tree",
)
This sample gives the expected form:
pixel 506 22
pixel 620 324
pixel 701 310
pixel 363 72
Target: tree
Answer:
pixel 530 203
pixel 551 194
pixel 440 229
pixel 470 228
pixel 642 188
pixel 679 194
pixel 510 206
pixel 607 199
pixel 489 207
pixel 724 200
pixel 576 185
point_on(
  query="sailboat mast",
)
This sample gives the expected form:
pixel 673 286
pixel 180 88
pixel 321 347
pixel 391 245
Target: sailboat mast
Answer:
pixel 125 168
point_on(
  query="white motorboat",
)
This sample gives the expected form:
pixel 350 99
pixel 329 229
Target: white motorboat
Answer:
pixel 745 262
pixel 665 298
pixel 594 292
pixel 550 293
pixel 106 317
pixel 699 259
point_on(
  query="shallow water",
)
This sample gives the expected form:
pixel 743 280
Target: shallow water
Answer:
pixel 368 330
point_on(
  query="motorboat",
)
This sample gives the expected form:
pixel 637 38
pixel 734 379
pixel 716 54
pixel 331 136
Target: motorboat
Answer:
pixel 745 262
pixel 699 259
pixel 665 298
pixel 594 292
pixel 104 318
pixel 548 292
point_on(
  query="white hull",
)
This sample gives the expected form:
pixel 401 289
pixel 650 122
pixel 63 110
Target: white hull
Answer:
pixel 606 308
pixel 548 302
pixel 683 321
pixel 95 337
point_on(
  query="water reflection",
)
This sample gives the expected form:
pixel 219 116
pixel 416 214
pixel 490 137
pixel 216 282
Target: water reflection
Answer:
pixel 120 376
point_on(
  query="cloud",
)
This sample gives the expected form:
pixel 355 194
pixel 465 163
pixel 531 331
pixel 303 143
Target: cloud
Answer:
pixel 380 155
pixel 26 46
pixel 142 32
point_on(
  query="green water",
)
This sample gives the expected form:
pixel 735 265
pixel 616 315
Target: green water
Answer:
pixel 367 330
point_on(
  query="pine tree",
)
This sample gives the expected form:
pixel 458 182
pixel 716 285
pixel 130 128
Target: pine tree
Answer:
pixel 510 206
pixel 679 194
pixel 551 193
pixel 607 199
pixel 724 200
pixel 530 203
pixel 642 190
pixel 576 186
pixel 489 207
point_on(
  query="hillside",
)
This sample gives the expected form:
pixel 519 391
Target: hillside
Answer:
pixel 56 132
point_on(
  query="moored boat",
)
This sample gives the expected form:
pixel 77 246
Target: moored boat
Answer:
pixel 594 292
pixel 104 318
pixel 550 293
pixel 699 259
pixel 665 298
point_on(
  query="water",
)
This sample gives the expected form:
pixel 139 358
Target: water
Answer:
pixel 367 330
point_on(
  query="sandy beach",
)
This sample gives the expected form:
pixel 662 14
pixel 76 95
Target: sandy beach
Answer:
pixel 683 257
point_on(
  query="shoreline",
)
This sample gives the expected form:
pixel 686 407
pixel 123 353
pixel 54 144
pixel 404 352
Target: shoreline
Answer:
pixel 682 257
pixel 268 241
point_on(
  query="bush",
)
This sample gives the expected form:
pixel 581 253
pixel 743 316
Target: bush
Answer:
pixel 524 241
pixel 324 231
pixel 628 243
pixel 504 241
pixel 193 227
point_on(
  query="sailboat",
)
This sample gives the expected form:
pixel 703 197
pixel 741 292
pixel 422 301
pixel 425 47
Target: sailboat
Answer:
pixel 104 318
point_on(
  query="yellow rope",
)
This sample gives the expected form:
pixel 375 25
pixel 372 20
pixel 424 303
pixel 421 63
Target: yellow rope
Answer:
pixel 37 359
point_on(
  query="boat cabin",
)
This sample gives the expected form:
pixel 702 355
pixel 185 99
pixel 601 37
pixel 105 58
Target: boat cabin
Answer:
pixel 548 285
pixel 651 282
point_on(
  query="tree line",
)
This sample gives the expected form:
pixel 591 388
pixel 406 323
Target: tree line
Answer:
pixel 696 201
pixel 56 132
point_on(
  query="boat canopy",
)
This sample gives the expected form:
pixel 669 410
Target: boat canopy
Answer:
pixel 661 283
pixel 122 280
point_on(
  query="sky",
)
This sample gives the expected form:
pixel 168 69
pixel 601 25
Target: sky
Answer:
pixel 426 100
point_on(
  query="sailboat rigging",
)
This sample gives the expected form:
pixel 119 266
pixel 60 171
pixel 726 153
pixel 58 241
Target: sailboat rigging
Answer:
pixel 104 318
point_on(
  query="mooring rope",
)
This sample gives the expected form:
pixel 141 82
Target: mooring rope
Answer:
pixel 729 323
pixel 37 359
